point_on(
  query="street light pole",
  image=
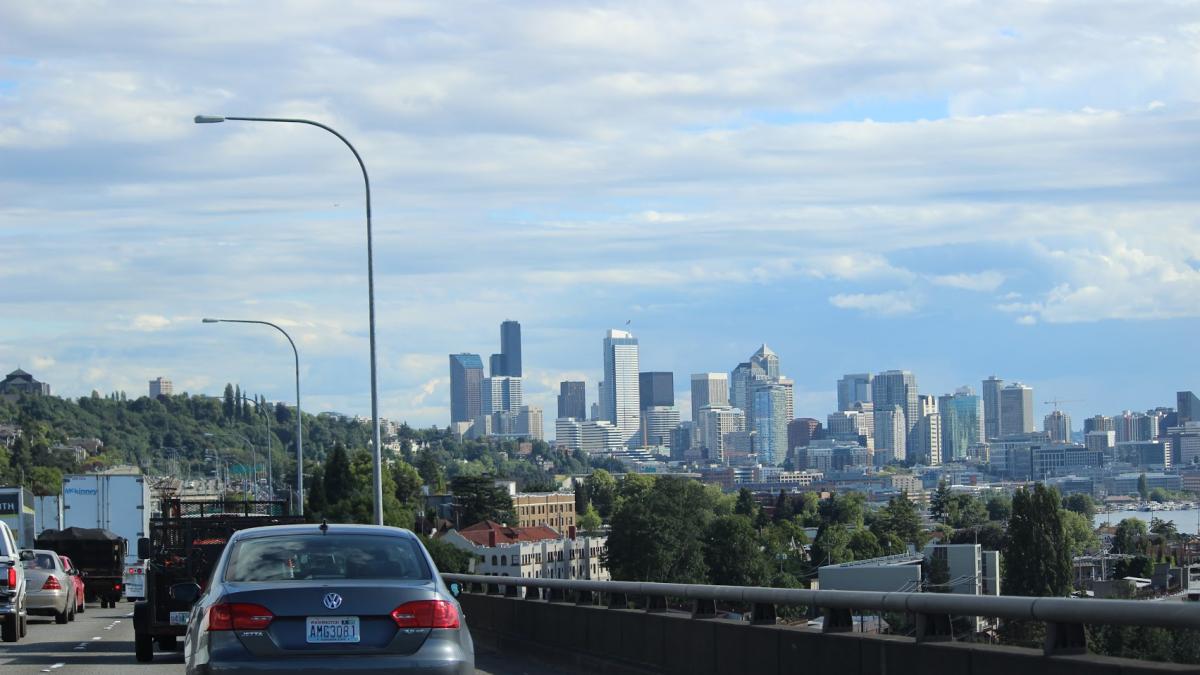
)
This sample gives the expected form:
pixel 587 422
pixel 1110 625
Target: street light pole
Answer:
pixel 299 415
pixel 378 449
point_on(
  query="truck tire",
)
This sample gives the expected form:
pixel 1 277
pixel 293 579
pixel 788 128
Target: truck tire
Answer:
pixel 10 628
pixel 168 643
pixel 143 647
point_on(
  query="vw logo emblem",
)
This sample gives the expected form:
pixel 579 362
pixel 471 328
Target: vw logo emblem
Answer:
pixel 333 600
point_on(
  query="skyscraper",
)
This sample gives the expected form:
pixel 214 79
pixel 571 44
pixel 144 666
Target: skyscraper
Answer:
pixel 717 425
pixel 740 381
pixel 1098 423
pixel 772 412
pixel 767 360
pixel 161 386
pixel 926 436
pixel 530 424
pixel 500 394
pixel 572 400
pixel 962 423
pixel 658 426
pixel 656 389
pixel 1187 407
pixel 466 382
pixel 1058 425
pixel 801 431
pixel 896 388
pixel 991 407
pixel 496 367
pixel 1016 409
pixel 890 436
pixel 854 388
pixel 510 347
pixel 709 389
pixel 621 398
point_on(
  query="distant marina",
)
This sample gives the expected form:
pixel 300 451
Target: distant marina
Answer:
pixel 1186 515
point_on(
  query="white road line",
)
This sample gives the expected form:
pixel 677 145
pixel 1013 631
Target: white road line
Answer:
pixel 57 666
pixel 97 638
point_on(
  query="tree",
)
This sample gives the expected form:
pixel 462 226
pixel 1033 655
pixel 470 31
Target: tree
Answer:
pixel 589 520
pixel 46 481
pixel 991 536
pixel 832 545
pixel 783 508
pixel 448 558
pixel 228 408
pixel 1164 528
pixel 899 518
pixel 864 544
pixel 1160 495
pixel 746 506
pixel 408 483
pixel 1037 562
pixel 964 510
pixel 479 499
pixel 432 473
pixel 939 501
pixel 1080 535
pixel 1143 487
pixel 1082 504
pixel 602 489
pixel 657 534
pixel 999 508
pixel 1130 536
pixel 733 554
pixel 338 482
pixel 1138 566
pixel 846 509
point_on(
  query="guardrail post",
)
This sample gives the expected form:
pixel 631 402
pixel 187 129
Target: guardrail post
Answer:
pixel 533 593
pixel 837 620
pixel 511 591
pixel 763 614
pixel 656 603
pixel 934 628
pixel 704 609
pixel 492 589
pixel 617 601
pixel 556 595
pixel 1065 638
pixel 583 597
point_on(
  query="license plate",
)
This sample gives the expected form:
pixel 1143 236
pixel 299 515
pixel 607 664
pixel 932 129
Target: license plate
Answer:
pixel 326 629
pixel 179 618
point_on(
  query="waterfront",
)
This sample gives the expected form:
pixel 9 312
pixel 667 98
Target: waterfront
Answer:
pixel 1185 519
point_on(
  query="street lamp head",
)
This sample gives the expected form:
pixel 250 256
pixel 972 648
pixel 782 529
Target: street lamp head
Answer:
pixel 206 320
pixel 208 119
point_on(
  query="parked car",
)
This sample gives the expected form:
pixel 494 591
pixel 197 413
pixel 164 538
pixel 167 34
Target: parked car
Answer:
pixel 13 596
pixel 51 590
pixel 77 581
pixel 307 597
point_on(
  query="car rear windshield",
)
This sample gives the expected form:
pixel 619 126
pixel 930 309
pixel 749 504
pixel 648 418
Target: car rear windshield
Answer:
pixel 326 556
pixel 41 561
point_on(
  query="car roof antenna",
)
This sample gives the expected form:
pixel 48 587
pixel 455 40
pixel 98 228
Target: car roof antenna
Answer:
pixel 324 526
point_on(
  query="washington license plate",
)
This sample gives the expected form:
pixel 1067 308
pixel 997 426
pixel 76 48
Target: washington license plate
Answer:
pixel 179 618
pixel 327 629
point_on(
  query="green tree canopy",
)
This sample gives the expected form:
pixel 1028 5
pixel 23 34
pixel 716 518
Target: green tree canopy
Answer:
pixel 999 508
pixel 478 499
pixel 1037 561
pixel 1080 503
pixel 733 554
pixel 657 534
pixel 1130 536
pixel 1080 535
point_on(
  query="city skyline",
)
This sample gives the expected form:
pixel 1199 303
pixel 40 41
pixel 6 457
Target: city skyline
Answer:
pixel 860 223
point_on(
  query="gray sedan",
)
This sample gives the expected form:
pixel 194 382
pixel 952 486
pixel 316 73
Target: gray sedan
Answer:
pixel 51 589
pixel 338 598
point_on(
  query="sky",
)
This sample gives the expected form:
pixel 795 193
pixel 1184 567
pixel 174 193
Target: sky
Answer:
pixel 988 188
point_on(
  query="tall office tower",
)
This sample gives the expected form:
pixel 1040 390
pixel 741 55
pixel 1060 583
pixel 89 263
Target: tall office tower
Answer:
pixel 709 389
pixel 854 388
pixel 740 380
pixel 682 439
pixel 599 409
pixel 767 360
pixel 962 423
pixel 1098 423
pixel 621 384
pixel 656 389
pixel 572 399
pixel 496 367
pixel 1150 425
pixel 991 407
pixel 658 425
pixel 772 412
pixel 530 423
pixel 510 347
pixel 1125 426
pixel 1185 444
pixel 896 388
pixel 1187 408
pixel 717 424
pixel 1016 409
pixel 596 412
pixel 890 436
pixel 466 385
pixel 161 386
pixel 925 444
pixel 1102 441
pixel 801 431
pixel 1058 425
pixel 500 394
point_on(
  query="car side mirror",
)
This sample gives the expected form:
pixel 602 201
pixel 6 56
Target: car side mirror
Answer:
pixel 456 589
pixel 187 592
pixel 143 548
pixel 27 555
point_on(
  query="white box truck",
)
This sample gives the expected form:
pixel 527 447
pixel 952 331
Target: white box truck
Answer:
pixel 117 502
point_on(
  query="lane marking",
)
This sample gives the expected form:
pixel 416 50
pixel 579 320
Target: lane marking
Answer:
pixel 97 638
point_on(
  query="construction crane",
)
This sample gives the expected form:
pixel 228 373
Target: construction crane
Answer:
pixel 1055 401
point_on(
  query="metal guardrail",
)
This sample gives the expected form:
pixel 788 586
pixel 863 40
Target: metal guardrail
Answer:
pixel 1064 617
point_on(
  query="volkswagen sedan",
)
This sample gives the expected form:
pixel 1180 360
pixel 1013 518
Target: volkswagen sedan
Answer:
pixel 337 598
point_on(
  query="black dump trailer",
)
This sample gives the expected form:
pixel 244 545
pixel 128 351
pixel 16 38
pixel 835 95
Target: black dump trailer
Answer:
pixel 98 554
pixel 186 541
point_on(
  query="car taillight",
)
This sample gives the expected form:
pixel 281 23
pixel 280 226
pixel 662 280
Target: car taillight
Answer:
pixel 239 616
pixel 116 587
pixel 12 577
pixel 426 614
pixel 51 584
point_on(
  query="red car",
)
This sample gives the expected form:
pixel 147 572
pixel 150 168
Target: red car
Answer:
pixel 77 580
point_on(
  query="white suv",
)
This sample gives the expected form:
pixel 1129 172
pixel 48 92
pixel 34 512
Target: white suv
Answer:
pixel 12 587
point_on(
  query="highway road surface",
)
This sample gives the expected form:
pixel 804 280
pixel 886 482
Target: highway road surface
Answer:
pixel 100 642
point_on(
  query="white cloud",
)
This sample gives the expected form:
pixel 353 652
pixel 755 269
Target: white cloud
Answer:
pixel 891 303
pixel 988 280
pixel 150 322
pixel 43 362
pixel 1027 320
pixel 858 266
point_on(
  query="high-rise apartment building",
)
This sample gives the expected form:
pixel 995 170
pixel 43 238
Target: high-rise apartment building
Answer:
pixel 740 381
pixel 1058 425
pixel 717 425
pixel 709 389
pixel 925 445
pixel 991 407
pixel 1016 409
pixel 161 386
pixel 854 388
pixel 896 388
pixel 500 394
pixel 772 411
pixel 801 431
pixel 1098 423
pixel 595 436
pixel 530 423
pixel 658 426
pixel 890 436
pixel 962 423
pixel 656 389
pixel 572 399
pixel 466 384
pixel 621 400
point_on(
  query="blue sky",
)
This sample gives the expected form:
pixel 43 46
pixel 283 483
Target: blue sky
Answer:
pixel 862 186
